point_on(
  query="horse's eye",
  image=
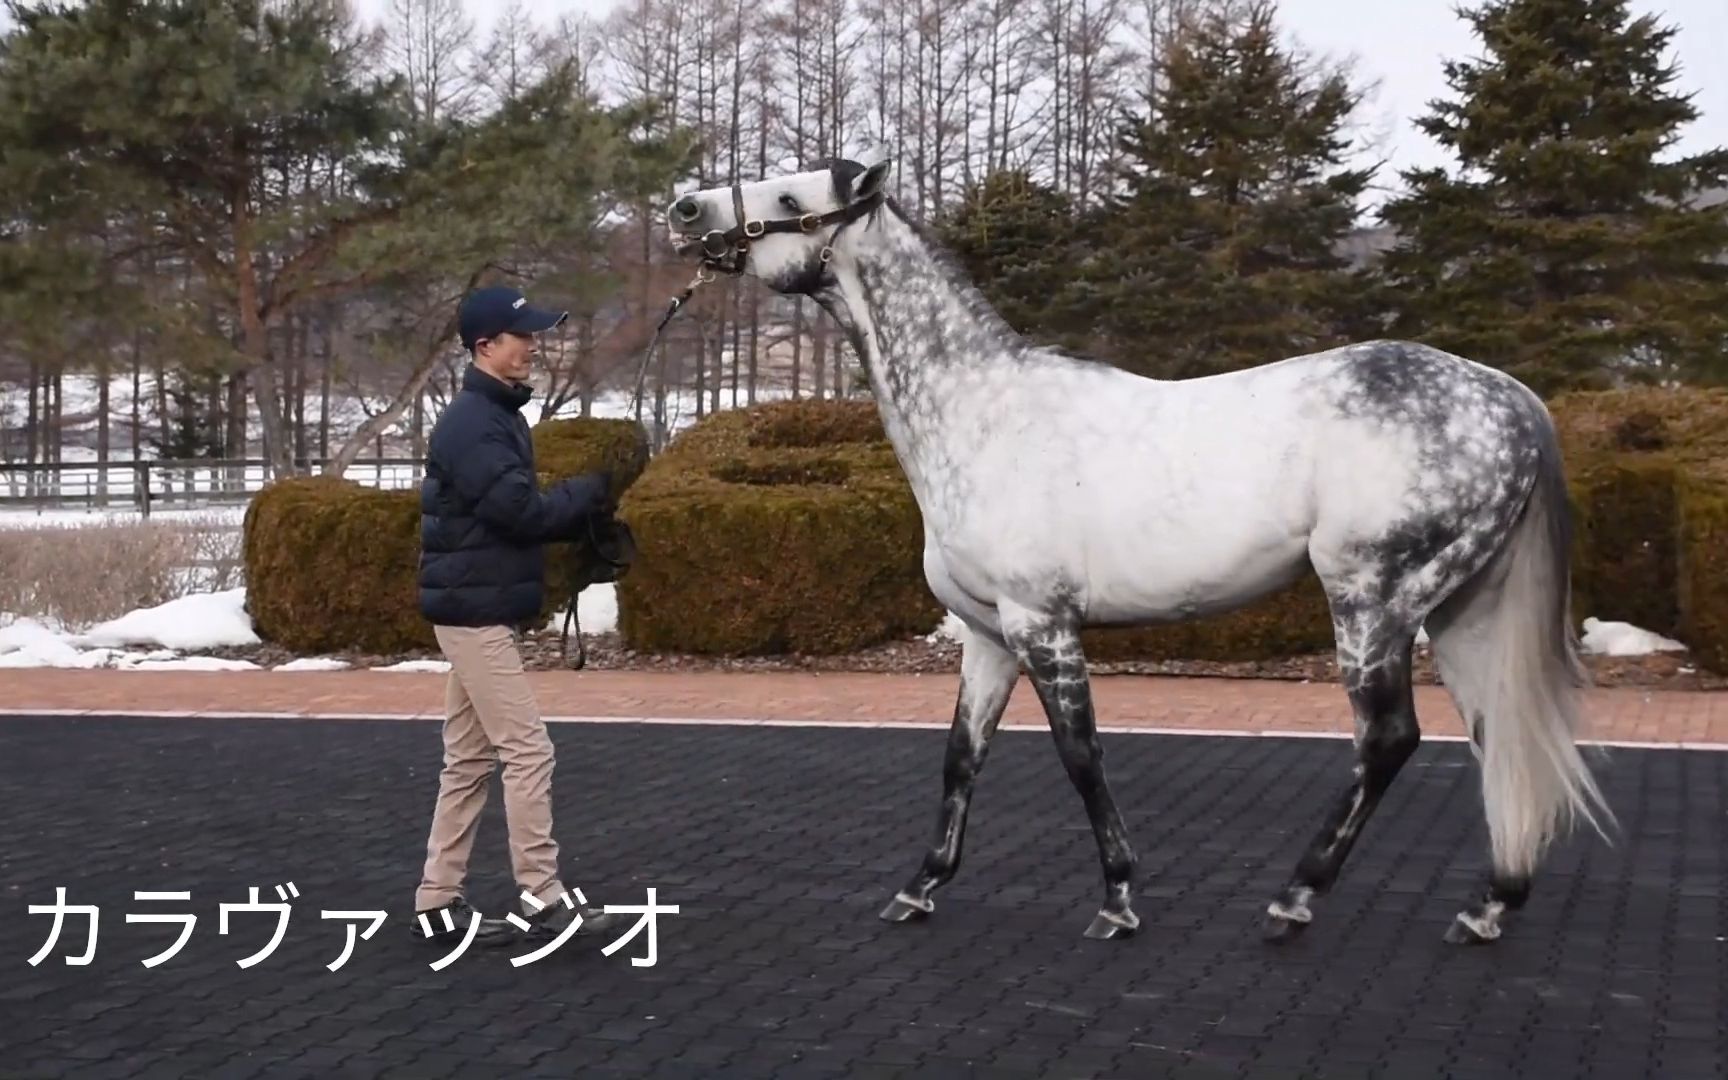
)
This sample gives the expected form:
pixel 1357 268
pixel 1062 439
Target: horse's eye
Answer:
pixel 791 204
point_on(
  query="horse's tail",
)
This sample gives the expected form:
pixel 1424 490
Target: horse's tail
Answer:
pixel 1508 653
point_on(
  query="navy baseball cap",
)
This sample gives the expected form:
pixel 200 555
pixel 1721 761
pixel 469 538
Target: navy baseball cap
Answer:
pixel 489 312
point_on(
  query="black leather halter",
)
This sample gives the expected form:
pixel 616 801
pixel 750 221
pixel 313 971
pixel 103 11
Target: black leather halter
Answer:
pixel 724 250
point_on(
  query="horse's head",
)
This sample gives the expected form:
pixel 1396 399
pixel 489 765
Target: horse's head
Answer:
pixel 780 230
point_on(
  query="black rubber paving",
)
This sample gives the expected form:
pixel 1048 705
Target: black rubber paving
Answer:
pixel 780 845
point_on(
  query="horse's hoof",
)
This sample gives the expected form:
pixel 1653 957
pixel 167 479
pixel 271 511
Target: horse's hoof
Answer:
pixel 1462 933
pixel 1281 931
pixel 1107 925
pixel 904 909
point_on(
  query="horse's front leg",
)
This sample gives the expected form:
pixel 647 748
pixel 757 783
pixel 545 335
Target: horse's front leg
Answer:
pixel 1049 647
pixel 987 676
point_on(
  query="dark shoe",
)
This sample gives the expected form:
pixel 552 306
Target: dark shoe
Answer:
pixel 432 927
pixel 551 922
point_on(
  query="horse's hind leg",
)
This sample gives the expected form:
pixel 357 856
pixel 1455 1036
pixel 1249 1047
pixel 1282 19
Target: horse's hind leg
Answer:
pixel 1050 650
pixel 987 675
pixel 1374 652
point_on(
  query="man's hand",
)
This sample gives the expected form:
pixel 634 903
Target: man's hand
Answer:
pixel 588 497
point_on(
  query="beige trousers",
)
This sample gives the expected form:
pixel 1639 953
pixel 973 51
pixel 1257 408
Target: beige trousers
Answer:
pixel 490 715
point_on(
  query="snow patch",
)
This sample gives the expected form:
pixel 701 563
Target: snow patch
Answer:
pixel 28 643
pixel 313 663
pixel 417 665
pixel 596 611
pixel 1624 639
pixel 194 663
pixel 195 621
pixel 953 628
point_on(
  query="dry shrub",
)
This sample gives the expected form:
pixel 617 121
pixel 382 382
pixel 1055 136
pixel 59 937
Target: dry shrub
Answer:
pixel 218 554
pixel 84 574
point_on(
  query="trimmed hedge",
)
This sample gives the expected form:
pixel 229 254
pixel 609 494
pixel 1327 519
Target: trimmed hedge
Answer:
pixel 332 565
pixel 1624 545
pixel 1703 565
pixel 1643 465
pixel 1293 621
pixel 779 528
pixel 1628 453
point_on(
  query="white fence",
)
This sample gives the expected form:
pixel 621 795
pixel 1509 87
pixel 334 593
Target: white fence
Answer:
pixel 149 484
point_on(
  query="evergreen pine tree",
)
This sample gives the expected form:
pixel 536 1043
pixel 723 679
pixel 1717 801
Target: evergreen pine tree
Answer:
pixel 203 131
pixel 1019 241
pixel 1223 251
pixel 1565 252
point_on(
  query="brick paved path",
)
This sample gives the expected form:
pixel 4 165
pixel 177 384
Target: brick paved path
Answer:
pixel 1123 701
pixel 779 845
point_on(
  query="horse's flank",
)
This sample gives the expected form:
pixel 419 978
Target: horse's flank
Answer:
pixel 1143 500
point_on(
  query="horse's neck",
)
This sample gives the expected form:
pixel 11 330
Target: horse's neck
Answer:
pixel 934 352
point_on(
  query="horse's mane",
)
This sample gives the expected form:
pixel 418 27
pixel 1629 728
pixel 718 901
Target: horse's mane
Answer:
pixel 957 277
pixel 950 269
pixel 845 173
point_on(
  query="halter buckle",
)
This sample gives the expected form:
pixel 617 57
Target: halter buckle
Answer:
pixel 808 222
pixel 754 229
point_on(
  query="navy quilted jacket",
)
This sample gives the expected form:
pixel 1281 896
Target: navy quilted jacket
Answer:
pixel 483 518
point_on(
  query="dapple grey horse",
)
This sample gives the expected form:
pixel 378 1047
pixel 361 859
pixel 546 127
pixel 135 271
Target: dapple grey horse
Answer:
pixel 1058 493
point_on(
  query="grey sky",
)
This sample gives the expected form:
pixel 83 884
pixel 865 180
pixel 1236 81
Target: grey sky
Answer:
pixel 1402 52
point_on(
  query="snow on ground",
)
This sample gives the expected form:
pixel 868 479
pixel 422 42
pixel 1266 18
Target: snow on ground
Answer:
pixel 953 628
pixel 194 663
pixel 1624 639
pixel 596 611
pixel 26 643
pixel 16 517
pixel 417 665
pixel 314 663
pixel 195 622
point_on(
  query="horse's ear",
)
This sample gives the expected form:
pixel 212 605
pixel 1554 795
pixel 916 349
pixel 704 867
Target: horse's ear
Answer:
pixel 870 184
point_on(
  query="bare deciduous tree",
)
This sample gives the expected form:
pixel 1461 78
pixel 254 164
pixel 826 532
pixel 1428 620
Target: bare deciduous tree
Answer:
pixel 431 44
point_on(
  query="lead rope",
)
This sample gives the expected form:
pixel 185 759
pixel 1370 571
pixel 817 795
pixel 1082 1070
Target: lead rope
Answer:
pixel 571 621
pixel 703 276
pixel 564 638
